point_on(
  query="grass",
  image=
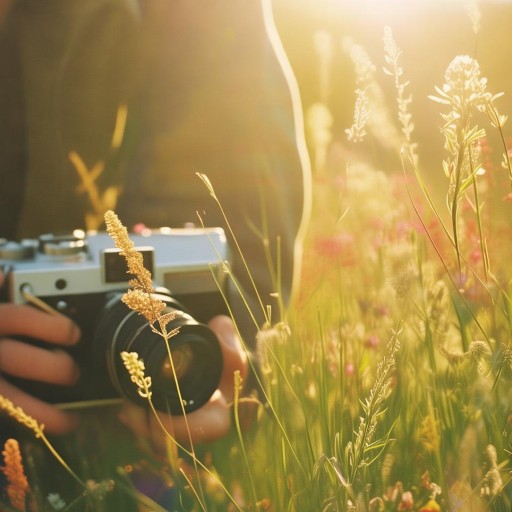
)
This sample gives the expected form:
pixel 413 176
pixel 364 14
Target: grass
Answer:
pixel 388 388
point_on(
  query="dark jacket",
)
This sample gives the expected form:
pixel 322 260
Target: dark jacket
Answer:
pixel 207 90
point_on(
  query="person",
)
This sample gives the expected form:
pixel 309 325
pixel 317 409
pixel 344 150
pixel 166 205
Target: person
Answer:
pixel 191 87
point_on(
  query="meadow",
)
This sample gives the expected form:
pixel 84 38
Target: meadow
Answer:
pixel 387 384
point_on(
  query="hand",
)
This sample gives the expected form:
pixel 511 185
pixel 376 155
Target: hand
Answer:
pixel 50 365
pixel 210 422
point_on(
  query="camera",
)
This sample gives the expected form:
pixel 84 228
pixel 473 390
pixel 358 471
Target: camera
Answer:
pixel 84 277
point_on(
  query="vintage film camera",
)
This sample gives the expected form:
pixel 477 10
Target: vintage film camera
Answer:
pixel 83 276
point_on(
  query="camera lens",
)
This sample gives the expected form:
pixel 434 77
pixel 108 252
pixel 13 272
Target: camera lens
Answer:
pixel 178 364
pixel 185 371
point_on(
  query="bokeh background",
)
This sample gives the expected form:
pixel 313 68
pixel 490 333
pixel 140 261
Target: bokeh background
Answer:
pixel 429 32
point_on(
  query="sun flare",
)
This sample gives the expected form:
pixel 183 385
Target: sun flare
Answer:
pixel 386 11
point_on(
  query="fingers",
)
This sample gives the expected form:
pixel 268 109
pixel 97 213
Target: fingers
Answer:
pixel 210 422
pixel 24 320
pixel 234 356
pixel 52 366
pixel 54 420
pixel 207 424
pixel 27 361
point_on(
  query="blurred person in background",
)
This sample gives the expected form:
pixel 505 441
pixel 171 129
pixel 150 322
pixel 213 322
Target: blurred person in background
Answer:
pixel 116 104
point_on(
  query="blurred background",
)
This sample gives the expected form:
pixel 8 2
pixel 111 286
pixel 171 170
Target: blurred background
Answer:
pixel 430 34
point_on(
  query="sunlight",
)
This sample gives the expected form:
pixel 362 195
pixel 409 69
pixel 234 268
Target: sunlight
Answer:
pixel 379 12
pixel 389 10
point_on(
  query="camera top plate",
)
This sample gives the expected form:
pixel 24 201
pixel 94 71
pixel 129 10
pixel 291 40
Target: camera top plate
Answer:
pixel 184 260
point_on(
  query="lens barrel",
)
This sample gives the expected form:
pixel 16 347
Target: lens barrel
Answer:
pixel 184 373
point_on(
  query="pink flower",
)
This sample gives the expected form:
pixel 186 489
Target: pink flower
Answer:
pixel 350 369
pixel 340 246
pixel 407 501
pixel 372 341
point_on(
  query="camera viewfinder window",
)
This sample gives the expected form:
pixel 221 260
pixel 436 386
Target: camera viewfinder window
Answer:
pixel 114 265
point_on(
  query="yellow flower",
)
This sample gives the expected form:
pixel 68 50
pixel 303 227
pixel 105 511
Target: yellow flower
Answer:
pixel 431 506
pixel 136 369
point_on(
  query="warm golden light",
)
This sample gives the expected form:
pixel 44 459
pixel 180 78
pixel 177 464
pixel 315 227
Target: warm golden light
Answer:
pixel 389 10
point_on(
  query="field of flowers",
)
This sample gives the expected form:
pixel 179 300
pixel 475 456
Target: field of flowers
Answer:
pixel 388 385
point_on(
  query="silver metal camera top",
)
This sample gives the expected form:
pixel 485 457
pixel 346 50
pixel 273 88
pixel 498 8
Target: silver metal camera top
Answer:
pixel 185 261
pixel 23 250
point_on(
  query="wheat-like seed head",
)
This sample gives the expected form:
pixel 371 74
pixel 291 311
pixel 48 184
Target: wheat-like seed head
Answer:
pixel 140 298
pixel 144 303
pixel 136 369
pixel 17 483
pixel 21 416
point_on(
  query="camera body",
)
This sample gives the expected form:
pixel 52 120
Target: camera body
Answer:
pixel 84 277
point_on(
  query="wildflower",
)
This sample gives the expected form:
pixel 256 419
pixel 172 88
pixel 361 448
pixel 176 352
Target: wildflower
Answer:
pixel 20 416
pixel 357 131
pixel 363 66
pixel 376 505
pixel 430 506
pixel 435 490
pixel 139 299
pixel 350 369
pixel 403 282
pixel 56 502
pixel 492 483
pixel 479 352
pixel 338 247
pixel 279 334
pixel 372 341
pixel 465 92
pixel 394 69
pixel 505 359
pixel 394 492
pixel 463 89
pixel 406 502
pixel 454 358
pixel 144 303
pixel 425 480
pixel 17 484
pixel 379 123
pixel 265 504
pixel 98 490
pixel 476 359
pixel 372 407
pixel 136 368
pixel 267 338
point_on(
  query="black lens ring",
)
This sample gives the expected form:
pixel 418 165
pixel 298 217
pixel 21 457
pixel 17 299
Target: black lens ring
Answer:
pixel 112 362
pixel 114 329
pixel 195 388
